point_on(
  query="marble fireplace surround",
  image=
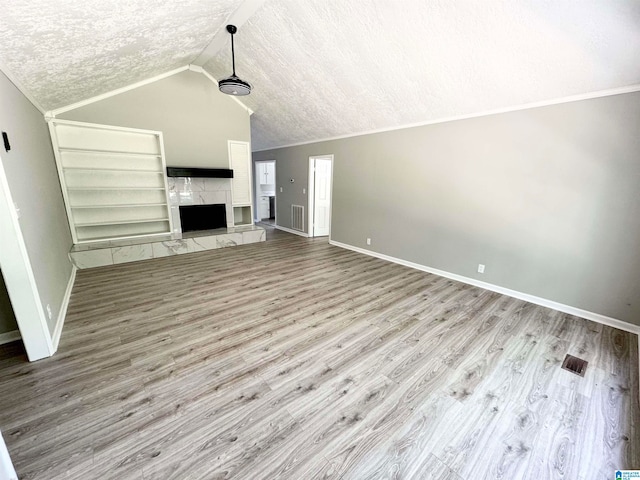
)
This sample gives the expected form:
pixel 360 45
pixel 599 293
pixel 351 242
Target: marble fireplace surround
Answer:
pixel 198 191
pixel 113 252
pixel 182 191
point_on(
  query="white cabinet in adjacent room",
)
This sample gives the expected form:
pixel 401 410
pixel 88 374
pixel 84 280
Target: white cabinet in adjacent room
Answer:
pixel 263 207
pixel 267 173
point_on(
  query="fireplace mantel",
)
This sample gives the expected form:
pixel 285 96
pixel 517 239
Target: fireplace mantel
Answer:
pixel 199 172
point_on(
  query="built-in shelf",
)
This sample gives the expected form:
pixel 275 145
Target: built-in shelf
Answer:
pixel 117 236
pixel 107 169
pixel 101 233
pixel 108 152
pixel 120 206
pixel 121 222
pixel 112 179
pixel 242 215
pixel 106 189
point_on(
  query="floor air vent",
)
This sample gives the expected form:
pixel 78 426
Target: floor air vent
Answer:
pixel 575 365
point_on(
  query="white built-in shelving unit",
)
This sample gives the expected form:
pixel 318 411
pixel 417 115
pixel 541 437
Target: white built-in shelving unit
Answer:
pixel 113 180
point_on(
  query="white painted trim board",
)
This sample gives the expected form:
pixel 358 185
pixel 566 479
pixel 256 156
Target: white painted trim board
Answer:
pixel 311 191
pixel 596 317
pixel 9 337
pixel 289 230
pixel 63 309
pixel 19 279
pixel 485 113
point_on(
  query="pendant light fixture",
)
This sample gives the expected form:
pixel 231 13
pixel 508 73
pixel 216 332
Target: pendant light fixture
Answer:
pixel 233 85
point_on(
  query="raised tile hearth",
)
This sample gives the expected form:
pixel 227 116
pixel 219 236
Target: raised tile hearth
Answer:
pixel 132 250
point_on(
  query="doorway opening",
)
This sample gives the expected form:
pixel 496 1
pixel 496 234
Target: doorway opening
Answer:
pixel 265 188
pixel 8 324
pixel 320 187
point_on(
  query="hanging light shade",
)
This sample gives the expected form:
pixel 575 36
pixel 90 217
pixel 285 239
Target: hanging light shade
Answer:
pixel 233 85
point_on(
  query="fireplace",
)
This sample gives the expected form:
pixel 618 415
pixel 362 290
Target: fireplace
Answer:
pixel 203 217
pixel 188 192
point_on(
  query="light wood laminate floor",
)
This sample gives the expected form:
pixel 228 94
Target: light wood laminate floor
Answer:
pixel 294 359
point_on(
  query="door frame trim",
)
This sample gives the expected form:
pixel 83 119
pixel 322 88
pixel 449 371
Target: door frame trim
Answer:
pixel 311 192
pixel 19 279
pixel 256 186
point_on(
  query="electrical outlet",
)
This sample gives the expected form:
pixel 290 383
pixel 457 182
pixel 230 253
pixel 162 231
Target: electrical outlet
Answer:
pixel 304 191
pixel 368 241
pixel 480 268
pixel 280 189
pixel 49 311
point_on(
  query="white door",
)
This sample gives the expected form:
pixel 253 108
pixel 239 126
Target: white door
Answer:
pixel 240 163
pixel 322 197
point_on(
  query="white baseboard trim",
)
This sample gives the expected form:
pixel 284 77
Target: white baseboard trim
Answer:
pixel 63 309
pixel 9 337
pixel 289 230
pixel 596 317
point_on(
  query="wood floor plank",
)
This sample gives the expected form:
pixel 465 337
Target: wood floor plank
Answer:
pixel 294 359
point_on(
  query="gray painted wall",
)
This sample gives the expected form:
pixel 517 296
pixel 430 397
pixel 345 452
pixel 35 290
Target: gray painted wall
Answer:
pixel 290 164
pixel 35 188
pixel 7 318
pixel 195 118
pixel 547 198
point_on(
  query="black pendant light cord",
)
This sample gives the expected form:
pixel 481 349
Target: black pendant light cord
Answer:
pixel 233 56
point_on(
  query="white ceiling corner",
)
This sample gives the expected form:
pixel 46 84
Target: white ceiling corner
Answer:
pixel 244 11
pixel 330 68
pixel 67 51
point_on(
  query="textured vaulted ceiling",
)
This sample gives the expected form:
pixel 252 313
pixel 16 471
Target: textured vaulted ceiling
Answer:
pixel 327 68
pixel 64 51
pixel 335 67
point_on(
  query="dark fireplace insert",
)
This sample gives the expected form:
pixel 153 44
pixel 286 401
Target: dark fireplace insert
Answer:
pixel 203 217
